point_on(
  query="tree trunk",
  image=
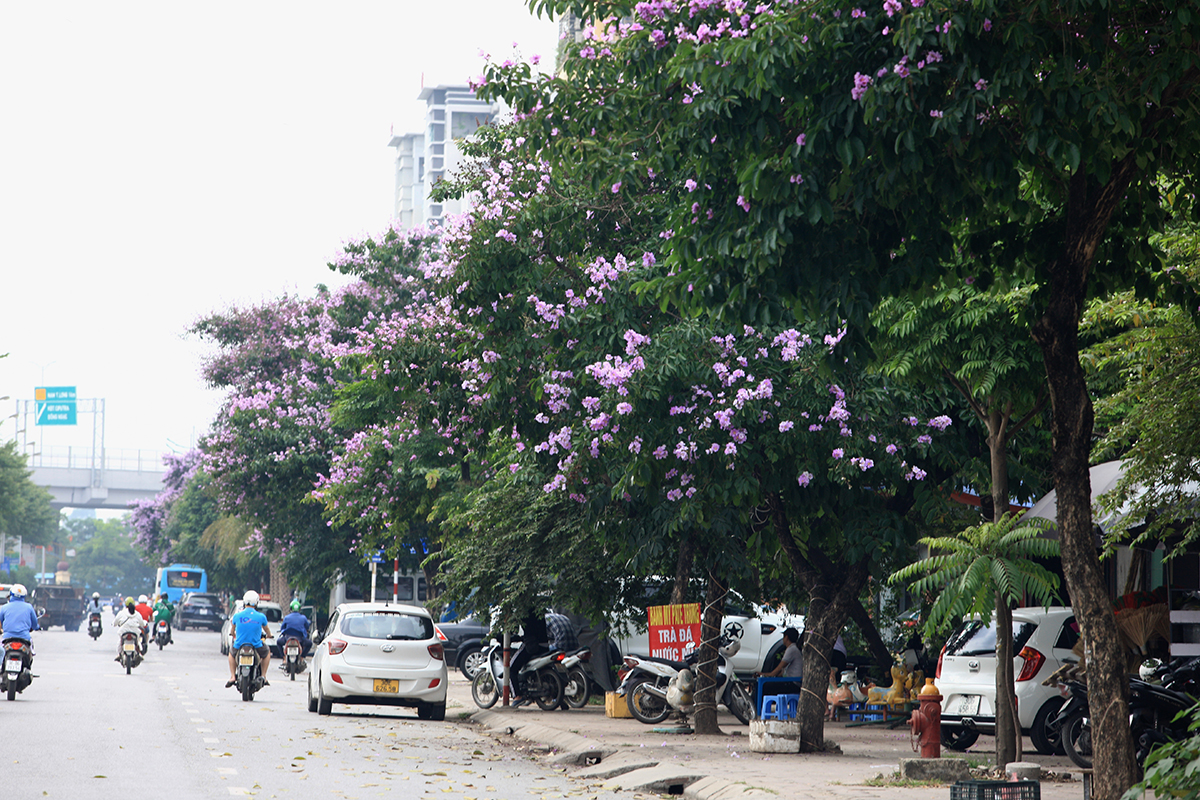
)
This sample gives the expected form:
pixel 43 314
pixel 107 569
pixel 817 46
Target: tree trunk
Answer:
pixel 683 567
pixel 706 678
pixel 879 649
pixel 997 442
pixel 1057 335
pixel 1008 729
pixel 833 587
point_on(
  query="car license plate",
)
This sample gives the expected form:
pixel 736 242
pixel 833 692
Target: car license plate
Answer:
pixel 968 705
pixel 128 647
pixel 293 651
pixel 246 661
pixel 202 611
pixel 382 685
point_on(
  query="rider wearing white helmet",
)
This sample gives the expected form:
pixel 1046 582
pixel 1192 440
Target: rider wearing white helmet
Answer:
pixel 18 620
pixel 94 606
pixel 249 627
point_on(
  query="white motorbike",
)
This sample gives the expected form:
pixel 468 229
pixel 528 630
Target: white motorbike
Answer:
pixel 653 687
pixel 540 676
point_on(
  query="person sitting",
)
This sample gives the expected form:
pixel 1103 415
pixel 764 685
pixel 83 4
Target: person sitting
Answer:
pixel 164 611
pixel 533 643
pixel 561 632
pixel 18 620
pixel 143 608
pixel 250 627
pixel 295 625
pixel 93 606
pixel 790 666
pixel 128 620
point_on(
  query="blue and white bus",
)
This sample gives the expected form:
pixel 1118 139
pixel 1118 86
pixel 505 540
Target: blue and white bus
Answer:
pixel 177 580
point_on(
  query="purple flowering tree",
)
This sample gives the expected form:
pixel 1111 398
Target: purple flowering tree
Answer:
pixel 839 152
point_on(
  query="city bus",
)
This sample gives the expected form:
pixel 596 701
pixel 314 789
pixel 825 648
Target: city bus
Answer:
pixel 177 580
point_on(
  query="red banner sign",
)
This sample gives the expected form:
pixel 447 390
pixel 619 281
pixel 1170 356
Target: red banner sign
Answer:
pixel 674 630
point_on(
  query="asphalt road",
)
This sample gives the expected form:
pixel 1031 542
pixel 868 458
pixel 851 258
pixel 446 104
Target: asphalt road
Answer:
pixel 171 731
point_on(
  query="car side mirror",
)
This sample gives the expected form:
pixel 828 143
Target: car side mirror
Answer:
pixel 317 637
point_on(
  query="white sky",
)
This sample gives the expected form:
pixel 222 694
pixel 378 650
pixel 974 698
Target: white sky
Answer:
pixel 162 160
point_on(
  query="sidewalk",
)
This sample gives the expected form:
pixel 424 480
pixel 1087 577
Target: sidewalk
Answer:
pixel 625 754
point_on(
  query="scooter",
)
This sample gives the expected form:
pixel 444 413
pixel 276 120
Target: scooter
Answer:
pixel 95 625
pixel 162 634
pixel 293 662
pixel 1156 703
pixel 131 653
pixel 539 677
pixel 647 681
pixel 18 658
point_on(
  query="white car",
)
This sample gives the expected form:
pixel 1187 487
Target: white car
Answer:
pixel 759 630
pixel 379 654
pixel 966 675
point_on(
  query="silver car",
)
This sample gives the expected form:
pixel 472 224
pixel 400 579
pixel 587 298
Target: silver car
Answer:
pixel 966 676
pixel 379 654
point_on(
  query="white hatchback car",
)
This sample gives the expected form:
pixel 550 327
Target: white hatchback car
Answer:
pixel 379 654
pixel 966 676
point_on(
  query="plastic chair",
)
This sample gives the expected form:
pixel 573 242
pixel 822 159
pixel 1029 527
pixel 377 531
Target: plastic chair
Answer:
pixel 770 707
pixel 791 705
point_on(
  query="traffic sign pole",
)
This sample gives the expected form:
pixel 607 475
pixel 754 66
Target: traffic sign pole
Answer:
pixel 396 580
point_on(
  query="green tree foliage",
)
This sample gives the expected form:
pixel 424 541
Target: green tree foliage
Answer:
pixel 979 344
pixel 25 508
pixel 106 560
pixel 984 570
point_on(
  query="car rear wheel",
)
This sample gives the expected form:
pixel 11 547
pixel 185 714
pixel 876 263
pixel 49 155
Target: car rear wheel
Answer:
pixel 324 704
pixel 958 738
pixel 1046 741
pixel 433 711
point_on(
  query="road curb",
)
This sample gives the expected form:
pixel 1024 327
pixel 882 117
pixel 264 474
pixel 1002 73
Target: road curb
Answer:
pixel 572 748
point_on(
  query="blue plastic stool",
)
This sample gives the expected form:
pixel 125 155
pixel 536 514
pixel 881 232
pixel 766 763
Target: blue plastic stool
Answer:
pixel 791 705
pixel 770 707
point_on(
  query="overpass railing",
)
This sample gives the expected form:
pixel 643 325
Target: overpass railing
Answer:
pixel 107 459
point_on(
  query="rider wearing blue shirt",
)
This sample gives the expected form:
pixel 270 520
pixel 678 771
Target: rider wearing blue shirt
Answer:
pixel 18 620
pixel 295 624
pixel 249 627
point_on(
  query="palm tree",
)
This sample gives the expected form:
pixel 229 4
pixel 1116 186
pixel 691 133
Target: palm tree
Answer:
pixel 984 569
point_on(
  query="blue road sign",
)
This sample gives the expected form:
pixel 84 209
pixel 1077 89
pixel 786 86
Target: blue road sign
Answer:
pixel 54 405
pixel 377 557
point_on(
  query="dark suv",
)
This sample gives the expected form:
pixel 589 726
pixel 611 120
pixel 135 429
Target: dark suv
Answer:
pixel 200 611
pixel 464 644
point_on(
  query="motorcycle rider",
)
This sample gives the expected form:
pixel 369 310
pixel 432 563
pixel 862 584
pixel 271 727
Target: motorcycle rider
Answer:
pixel 143 608
pixel 128 620
pixel 533 643
pixel 295 624
pixel 249 627
pixel 164 609
pixel 18 620
pixel 94 607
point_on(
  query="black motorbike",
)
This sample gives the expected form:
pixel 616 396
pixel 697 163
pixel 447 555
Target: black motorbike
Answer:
pixel 249 672
pixel 1153 709
pixel 95 625
pixel 18 659
pixel 293 656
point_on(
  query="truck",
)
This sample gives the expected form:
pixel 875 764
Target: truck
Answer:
pixel 57 604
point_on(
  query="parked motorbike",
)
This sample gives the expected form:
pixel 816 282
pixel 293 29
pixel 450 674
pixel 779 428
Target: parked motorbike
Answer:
pixel 131 653
pixel 162 634
pixel 577 686
pixel 95 625
pixel 249 672
pixel 293 662
pixel 1154 705
pixel 17 662
pixel 646 684
pixel 539 677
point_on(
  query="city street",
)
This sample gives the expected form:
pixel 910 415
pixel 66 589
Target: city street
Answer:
pixel 84 729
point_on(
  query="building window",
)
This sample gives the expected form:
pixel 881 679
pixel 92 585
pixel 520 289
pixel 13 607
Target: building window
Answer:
pixel 463 124
pixel 437 132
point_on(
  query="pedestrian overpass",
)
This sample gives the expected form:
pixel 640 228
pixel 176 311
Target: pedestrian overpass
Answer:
pixel 79 477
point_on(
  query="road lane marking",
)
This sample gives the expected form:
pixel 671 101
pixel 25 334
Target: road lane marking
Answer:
pixel 226 771
pixel 203 730
pixel 211 740
pixel 197 719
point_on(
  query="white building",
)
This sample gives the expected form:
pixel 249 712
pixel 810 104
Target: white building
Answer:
pixel 452 113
